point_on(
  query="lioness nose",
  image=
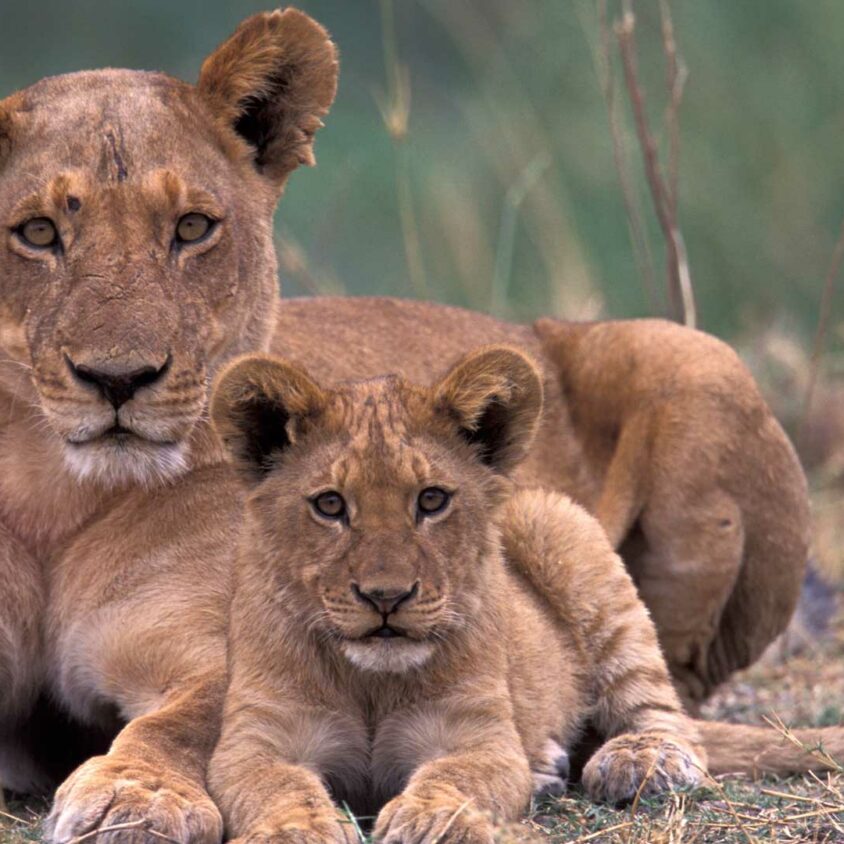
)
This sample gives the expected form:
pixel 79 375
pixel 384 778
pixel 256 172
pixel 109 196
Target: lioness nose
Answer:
pixel 385 601
pixel 118 386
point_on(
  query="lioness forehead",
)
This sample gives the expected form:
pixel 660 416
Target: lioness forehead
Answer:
pixel 115 123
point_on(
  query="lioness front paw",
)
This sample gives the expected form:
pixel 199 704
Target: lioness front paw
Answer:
pixel 123 798
pixel 410 819
pixel 655 764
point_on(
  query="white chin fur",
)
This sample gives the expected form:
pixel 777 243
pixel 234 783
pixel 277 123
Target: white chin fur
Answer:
pixel 116 464
pixel 388 655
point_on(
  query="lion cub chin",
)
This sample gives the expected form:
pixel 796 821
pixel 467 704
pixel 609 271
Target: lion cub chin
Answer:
pixel 411 633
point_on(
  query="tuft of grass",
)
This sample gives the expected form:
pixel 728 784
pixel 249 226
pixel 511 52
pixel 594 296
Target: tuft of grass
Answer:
pixel 21 822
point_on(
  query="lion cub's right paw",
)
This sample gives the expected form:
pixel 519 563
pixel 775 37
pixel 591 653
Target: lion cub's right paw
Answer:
pixel 648 764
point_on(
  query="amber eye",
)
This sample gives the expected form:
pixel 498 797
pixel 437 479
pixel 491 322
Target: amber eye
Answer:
pixel 432 500
pixel 39 232
pixel 193 227
pixel 330 505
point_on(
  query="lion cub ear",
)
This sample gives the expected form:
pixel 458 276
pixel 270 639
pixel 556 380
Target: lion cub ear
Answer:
pixel 272 81
pixel 257 407
pixel 495 396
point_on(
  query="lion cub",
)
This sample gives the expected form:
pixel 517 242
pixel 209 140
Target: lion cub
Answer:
pixel 408 629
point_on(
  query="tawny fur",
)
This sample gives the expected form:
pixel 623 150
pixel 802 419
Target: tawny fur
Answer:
pixel 131 537
pixel 519 622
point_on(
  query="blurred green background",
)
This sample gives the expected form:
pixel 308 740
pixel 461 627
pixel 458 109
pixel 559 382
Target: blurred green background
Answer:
pixel 506 104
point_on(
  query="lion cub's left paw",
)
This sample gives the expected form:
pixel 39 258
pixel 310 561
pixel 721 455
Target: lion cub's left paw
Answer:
pixel 409 819
pixel 652 763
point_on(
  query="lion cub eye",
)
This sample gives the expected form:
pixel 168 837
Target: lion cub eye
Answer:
pixel 432 500
pixel 330 505
pixel 39 232
pixel 193 227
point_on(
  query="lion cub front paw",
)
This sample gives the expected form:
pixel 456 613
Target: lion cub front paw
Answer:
pixel 123 798
pixel 411 819
pixel 655 764
pixel 322 828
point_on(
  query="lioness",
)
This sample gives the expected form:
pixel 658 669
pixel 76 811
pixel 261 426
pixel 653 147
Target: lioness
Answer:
pixel 382 642
pixel 406 628
pixel 136 260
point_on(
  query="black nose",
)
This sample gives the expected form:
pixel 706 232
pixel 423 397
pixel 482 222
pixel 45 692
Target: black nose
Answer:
pixel 118 386
pixel 385 601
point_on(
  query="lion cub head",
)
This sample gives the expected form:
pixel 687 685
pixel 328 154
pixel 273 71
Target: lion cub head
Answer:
pixel 373 501
pixel 136 254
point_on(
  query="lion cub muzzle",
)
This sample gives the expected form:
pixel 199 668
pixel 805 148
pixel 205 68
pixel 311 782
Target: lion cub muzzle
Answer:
pixel 397 626
pixel 386 602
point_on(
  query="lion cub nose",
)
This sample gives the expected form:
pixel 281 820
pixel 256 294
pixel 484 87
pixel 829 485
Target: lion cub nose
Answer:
pixel 385 600
pixel 117 386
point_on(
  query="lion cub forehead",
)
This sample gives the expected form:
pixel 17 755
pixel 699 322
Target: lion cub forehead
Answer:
pixel 385 421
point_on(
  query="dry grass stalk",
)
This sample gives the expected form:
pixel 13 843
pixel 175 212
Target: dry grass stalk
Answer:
pixel 581 839
pixel 123 827
pixel 680 289
pixel 820 333
pixel 816 752
pixel 395 112
pixel 632 207
pixel 513 199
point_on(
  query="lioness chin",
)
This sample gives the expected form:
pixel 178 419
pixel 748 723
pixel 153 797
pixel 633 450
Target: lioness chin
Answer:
pixel 385 649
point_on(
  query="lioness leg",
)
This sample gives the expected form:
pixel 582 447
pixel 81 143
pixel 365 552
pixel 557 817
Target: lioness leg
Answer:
pixel 153 777
pixel 22 603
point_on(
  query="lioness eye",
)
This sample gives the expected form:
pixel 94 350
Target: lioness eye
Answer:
pixel 330 504
pixel 433 500
pixel 39 232
pixel 193 227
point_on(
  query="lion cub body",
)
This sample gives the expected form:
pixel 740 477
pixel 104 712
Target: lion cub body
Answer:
pixel 430 658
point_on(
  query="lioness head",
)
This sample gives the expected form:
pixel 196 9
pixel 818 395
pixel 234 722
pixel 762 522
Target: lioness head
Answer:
pixel 136 253
pixel 373 502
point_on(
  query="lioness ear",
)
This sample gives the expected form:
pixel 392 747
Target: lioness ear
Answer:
pixel 7 109
pixel 271 82
pixel 257 406
pixel 495 396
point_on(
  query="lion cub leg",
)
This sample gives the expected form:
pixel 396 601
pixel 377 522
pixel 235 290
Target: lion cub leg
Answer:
pixel 563 551
pixel 471 770
pixel 266 772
